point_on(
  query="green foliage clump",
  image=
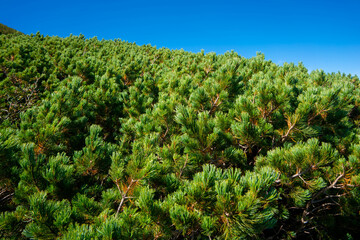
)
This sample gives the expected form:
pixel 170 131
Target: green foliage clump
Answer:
pixel 7 30
pixel 110 140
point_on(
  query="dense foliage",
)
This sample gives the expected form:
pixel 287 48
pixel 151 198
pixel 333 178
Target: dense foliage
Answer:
pixel 7 30
pixel 111 140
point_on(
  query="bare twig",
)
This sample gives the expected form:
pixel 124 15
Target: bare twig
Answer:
pixel 283 138
pixel 124 194
pixel 329 187
pixel 215 104
pixel 182 169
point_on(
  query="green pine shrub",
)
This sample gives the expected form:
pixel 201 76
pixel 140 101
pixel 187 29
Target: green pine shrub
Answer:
pixel 111 140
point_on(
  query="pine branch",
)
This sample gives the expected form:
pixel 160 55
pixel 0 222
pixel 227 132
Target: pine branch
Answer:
pixel 333 185
pixel 317 114
pixel 182 169
pixel 283 138
pixel 301 173
pixel 329 197
pixel 124 194
pixel 214 105
pixel 323 206
pixel 273 108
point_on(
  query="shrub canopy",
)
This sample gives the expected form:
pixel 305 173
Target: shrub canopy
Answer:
pixel 111 140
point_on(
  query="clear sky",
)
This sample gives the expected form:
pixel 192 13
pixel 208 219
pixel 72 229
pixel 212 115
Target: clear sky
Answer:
pixel 323 34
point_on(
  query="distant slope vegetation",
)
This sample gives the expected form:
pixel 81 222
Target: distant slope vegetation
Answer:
pixel 111 140
pixel 7 30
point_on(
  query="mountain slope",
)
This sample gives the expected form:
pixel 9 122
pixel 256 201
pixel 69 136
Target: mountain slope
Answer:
pixel 7 30
pixel 111 140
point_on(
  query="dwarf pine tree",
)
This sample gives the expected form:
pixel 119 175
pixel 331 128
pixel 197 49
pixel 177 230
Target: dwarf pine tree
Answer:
pixel 111 140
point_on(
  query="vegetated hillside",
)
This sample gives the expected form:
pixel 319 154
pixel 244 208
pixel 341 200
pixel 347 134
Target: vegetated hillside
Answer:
pixel 7 30
pixel 110 140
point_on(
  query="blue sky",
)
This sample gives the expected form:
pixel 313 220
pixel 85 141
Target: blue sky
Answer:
pixel 321 34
